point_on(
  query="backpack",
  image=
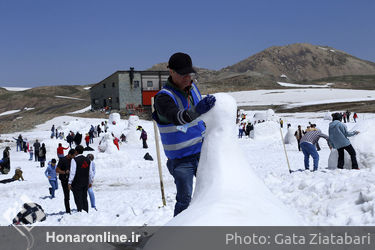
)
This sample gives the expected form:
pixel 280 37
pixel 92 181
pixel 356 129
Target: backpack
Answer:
pixel 31 213
pixel 148 157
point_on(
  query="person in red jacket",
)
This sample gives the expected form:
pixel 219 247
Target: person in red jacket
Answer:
pixel 87 140
pixel 60 150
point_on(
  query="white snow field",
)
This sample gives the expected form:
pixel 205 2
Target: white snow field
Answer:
pixel 300 97
pixel 245 179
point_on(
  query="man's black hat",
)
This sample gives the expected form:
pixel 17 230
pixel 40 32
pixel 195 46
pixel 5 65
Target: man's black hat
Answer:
pixel 181 63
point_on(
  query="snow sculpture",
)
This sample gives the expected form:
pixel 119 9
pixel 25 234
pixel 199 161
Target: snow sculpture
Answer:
pixel 106 144
pixel 132 136
pixel 114 117
pixel 289 136
pixel 228 192
pixel 328 116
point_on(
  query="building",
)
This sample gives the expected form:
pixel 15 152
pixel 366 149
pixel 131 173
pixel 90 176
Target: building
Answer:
pixel 127 89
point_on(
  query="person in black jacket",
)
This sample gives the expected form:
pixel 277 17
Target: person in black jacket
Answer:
pixel 36 149
pixel 63 169
pixel 77 139
pixel 5 162
pixel 177 108
pixel 80 179
pixel 42 155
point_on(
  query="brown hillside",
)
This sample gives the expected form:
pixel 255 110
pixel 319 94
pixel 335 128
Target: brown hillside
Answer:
pixel 303 61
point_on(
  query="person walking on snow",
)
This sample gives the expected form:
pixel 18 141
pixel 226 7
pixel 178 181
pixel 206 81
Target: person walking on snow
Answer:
pixel 31 152
pixel 307 143
pixel 80 179
pixel 143 136
pixel 63 169
pixel 87 140
pixel 338 138
pixel 178 106
pixel 52 131
pixel 36 149
pixel 240 130
pixel 52 177
pixel 90 190
pixel 355 116
pixel 42 155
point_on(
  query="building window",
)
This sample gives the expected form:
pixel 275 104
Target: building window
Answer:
pixel 103 85
pixel 117 100
pixel 113 85
pixel 136 84
pixel 149 84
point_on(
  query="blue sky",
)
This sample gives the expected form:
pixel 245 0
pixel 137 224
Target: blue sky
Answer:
pixel 50 42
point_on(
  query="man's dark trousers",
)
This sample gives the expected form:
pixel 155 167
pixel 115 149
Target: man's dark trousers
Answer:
pixel 183 171
pixel 80 197
pixel 351 151
pixel 64 185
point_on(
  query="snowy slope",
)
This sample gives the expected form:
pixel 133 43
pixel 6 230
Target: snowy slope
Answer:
pixel 127 187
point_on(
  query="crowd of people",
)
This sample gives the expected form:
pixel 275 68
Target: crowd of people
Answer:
pixel 75 171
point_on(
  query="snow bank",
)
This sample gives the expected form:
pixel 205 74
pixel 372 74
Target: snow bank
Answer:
pixel 269 130
pixel 227 191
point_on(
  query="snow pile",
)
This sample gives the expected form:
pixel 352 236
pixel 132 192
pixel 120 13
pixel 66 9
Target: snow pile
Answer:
pixel 328 116
pixel 227 191
pixel 10 112
pixel 264 115
pixel 81 110
pixel 363 144
pixel 269 130
pixel 114 117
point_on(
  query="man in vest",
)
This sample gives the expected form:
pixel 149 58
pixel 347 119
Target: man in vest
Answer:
pixel 178 106
pixel 80 179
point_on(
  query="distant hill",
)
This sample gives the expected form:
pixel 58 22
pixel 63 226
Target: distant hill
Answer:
pixel 303 61
pixel 44 103
pixel 298 63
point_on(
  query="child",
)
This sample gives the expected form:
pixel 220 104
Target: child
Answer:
pixel 31 151
pixel 90 191
pixel 52 178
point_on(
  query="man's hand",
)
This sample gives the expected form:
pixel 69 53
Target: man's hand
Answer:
pixel 67 171
pixel 205 104
pixel 90 185
pixel 49 177
pixel 69 187
pixel 356 132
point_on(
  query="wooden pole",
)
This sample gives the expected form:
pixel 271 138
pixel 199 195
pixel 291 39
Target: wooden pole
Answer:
pixel 156 132
pixel 286 155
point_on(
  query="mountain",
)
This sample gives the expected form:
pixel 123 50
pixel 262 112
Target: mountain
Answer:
pixel 298 63
pixel 302 61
